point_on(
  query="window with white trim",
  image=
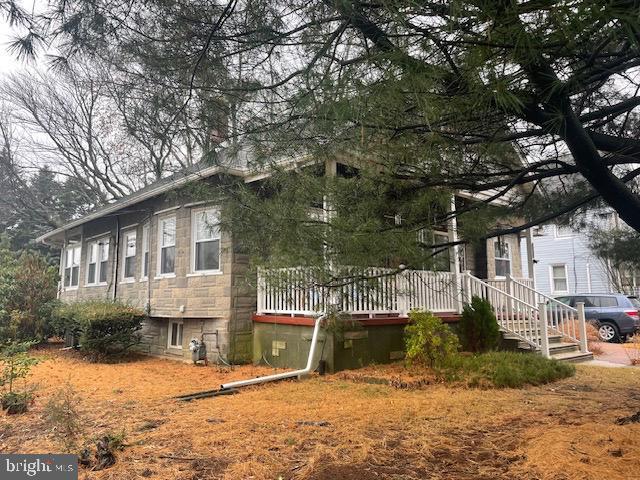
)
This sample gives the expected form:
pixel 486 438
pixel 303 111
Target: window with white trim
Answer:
pixel 129 255
pixel 72 265
pixel 439 259
pixel 559 282
pixel 563 231
pixel 167 246
pixel 205 241
pixel 502 252
pixel 97 261
pixel 175 334
pixel 92 263
pixel 145 251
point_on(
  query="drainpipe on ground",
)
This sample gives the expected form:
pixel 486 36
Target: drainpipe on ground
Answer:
pixel 281 376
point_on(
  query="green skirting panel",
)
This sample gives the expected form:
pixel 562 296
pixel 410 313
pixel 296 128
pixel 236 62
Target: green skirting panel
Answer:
pixel 287 346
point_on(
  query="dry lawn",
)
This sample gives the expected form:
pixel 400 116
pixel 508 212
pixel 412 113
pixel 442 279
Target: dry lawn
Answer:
pixel 355 428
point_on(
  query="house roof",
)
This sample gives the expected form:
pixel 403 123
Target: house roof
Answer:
pixel 231 161
pixel 235 164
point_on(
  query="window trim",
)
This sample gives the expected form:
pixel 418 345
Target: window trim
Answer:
pixel 159 274
pixel 105 240
pixel 509 259
pixel 91 244
pixel 70 248
pixel 146 248
pixel 169 330
pixel 192 254
pixel 552 278
pixel 558 235
pixel 124 234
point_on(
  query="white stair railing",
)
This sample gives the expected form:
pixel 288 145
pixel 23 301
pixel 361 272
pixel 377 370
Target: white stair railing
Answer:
pixel 561 318
pixel 519 318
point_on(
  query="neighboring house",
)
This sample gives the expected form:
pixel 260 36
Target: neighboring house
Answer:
pixel 160 249
pixel 564 263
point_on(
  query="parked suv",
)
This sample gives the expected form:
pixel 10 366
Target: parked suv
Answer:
pixel 615 315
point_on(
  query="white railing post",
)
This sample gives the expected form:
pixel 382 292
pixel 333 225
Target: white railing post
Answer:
pixel 402 292
pixel 544 333
pixel 584 348
pixel 508 286
pixel 260 292
pixel 466 294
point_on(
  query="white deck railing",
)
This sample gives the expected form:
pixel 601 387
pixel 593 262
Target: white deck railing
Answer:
pixel 368 291
pixel 520 310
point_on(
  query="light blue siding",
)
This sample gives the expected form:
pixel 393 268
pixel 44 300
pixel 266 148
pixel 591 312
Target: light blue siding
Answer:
pixel 585 272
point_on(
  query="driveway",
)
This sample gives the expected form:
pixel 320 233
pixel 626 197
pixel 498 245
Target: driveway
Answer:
pixel 617 352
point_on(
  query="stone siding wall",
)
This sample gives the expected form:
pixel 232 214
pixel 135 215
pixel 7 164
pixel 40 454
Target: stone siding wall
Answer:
pixel 221 302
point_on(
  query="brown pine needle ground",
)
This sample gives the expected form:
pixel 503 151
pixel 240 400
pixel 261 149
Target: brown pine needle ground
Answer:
pixel 339 427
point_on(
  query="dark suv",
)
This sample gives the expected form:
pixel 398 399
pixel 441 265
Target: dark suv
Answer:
pixel 615 315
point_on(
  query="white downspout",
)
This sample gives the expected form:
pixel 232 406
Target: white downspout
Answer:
pixel 281 376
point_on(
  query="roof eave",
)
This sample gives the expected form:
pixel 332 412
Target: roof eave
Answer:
pixel 208 172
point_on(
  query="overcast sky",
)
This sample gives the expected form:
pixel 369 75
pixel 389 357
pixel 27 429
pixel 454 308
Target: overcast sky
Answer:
pixel 8 62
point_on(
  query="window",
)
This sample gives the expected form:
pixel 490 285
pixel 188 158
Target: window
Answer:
pixel 563 231
pixel 607 302
pixel 589 302
pixel 97 258
pixel 129 252
pixel 565 300
pixel 205 241
pixel 167 246
pixel 559 278
pixel 145 252
pixel 175 334
pixel 502 258
pixel 92 263
pixel 72 266
pixel 103 256
pixel 438 260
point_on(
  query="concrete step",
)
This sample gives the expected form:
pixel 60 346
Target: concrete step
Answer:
pixel 573 357
pixel 563 347
pixel 511 336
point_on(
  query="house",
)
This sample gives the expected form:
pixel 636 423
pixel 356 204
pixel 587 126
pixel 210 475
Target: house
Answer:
pixel 160 249
pixel 565 263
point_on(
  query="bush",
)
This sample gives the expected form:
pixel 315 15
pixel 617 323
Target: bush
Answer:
pixel 28 287
pixel 507 369
pixel 62 416
pixel 104 328
pixel 479 330
pixel 429 341
pixel 16 364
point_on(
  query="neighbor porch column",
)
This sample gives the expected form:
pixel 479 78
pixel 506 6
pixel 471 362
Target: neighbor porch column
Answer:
pixel 530 253
pixel 454 251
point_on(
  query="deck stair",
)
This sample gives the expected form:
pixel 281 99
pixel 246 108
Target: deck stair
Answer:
pixel 522 311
